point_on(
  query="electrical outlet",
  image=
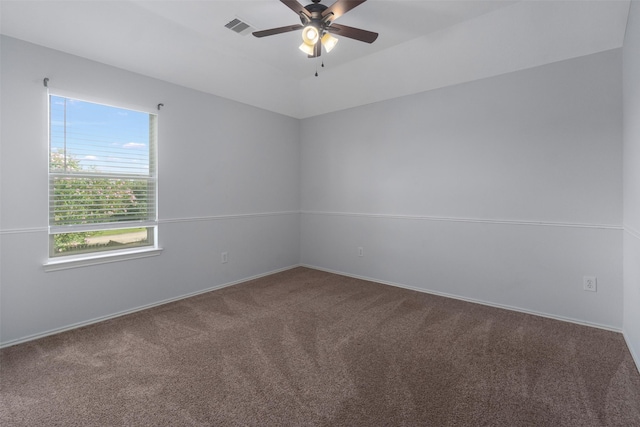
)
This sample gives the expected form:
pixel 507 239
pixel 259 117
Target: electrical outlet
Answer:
pixel 224 257
pixel 360 251
pixel 590 283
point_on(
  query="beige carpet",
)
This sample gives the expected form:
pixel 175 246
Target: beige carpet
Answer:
pixel 305 347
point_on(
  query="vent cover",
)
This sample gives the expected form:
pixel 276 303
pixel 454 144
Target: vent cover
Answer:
pixel 240 27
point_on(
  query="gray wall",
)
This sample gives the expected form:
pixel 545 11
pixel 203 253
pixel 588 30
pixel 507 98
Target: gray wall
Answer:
pixel 506 190
pixel 632 182
pixel 228 181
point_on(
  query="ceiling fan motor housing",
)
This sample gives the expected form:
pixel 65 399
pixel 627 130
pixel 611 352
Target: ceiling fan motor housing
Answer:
pixel 315 17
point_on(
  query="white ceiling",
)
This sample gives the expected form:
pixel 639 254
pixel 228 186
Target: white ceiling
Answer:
pixel 422 45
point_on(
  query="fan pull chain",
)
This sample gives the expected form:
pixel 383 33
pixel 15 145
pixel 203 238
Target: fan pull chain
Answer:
pixel 322 65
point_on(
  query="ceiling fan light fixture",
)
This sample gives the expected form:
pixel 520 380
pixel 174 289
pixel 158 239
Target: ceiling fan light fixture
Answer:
pixel 310 35
pixel 329 42
pixel 308 49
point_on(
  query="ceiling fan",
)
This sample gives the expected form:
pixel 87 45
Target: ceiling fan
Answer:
pixel 317 24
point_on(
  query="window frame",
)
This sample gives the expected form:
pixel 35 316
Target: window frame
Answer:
pixel 103 255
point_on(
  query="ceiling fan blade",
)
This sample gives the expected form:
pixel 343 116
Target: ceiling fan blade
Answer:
pixel 279 30
pixel 340 7
pixel 296 7
pixel 353 33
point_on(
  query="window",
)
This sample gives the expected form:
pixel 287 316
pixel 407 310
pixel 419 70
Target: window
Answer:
pixel 102 178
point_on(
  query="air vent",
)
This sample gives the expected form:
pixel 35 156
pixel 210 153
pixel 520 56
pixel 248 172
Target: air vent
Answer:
pixel 240 27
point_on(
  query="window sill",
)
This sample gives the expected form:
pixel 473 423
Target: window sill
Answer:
pixel 54 264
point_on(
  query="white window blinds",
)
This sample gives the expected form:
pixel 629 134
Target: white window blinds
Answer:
pixel 102 167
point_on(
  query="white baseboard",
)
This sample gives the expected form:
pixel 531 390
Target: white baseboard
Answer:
pixel 136 309
pixel 472 300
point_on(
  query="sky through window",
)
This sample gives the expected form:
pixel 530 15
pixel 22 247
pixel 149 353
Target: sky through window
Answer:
pixel 99 138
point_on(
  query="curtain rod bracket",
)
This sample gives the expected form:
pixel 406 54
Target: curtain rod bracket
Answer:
pixel 46 82
pixel 160 106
